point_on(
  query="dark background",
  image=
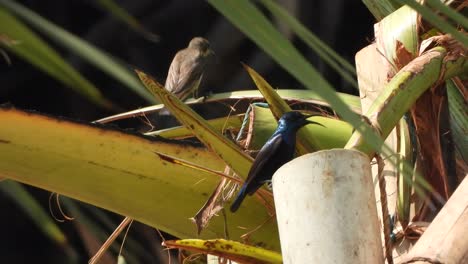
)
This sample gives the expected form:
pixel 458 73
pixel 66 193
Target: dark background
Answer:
pixel 344 25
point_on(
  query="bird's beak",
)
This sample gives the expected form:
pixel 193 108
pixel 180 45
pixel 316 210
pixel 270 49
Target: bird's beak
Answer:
pixel 309 122
pixel 305 117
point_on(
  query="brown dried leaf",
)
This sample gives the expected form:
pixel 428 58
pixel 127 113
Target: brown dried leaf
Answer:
pixel 213 205
pixel 403 56
pixel 426 114
pixel 454 48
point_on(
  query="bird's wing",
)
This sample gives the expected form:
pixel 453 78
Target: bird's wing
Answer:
pixel 172 79
pixel 263 157
pixel 189 74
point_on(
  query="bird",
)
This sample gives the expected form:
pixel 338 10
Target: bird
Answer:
pixel 186 70
pixel 278 150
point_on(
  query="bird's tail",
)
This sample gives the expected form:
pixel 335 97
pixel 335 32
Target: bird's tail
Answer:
pixel 239 198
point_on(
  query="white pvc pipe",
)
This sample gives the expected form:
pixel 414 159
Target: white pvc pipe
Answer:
pixel 325 207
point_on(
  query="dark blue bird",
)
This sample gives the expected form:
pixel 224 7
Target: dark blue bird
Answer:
pixel 278 150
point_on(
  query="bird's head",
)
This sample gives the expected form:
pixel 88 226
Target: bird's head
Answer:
pixel 200 44
pixel 295 120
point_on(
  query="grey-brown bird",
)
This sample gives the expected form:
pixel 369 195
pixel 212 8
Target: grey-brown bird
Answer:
pixel 186 70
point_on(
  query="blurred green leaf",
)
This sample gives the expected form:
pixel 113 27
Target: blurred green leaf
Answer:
pixel 93 55
pixel 244 14
pixel 335 61
pixel 127 18
pixel 449 12
pixel 30 47
pixel 34 210
pixel 381 8
pixel 94 226
pixel 458 117
pixel 437 21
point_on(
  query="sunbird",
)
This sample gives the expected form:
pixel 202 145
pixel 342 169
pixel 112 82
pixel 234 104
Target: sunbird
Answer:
pixel 186 70
pixel 278 150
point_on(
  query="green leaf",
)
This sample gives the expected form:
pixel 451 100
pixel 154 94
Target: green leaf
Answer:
pixel 120 172
pixel 219 124
pixel 232 250
pixel 303 96
pixel 225 149
pixel 334 133
pixel 405 88
pixel 307 142
pixel 405 173
pixel 398 37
